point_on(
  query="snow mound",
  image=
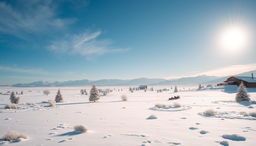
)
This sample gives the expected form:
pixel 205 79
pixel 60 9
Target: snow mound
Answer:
pixel 231 115
pixel 151 117
pixel 169 108
pixel 234 103
pixel 234 137
pixel 28 107
pixel 224 143
pixel 203 132
pixel 193 128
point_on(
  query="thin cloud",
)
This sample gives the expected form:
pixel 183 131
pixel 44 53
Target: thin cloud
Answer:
pixel 230 70
pixel 84 44
pixel 221 72
pixel 30 17
pixel 22 70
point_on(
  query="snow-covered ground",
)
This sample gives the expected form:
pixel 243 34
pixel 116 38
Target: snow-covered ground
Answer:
pixel 135 122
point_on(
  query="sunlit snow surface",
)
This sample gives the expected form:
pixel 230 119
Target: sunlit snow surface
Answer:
pixel 114 122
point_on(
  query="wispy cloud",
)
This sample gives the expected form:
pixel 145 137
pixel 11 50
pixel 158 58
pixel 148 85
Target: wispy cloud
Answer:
pixel 23 70
pixel 230 70
pixel 28 17
pixel 221 72
pixel 84 44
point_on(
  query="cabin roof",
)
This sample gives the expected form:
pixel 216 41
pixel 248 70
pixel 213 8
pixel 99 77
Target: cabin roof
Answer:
pixel 246 78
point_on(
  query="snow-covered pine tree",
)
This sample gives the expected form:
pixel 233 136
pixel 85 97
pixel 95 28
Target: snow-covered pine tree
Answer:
pixel 85 92
pixel 82 91
pixel 14 99
pixel 175 89
pixel 94 94
pixel 59 97
pixel 242 93
pixel 200 87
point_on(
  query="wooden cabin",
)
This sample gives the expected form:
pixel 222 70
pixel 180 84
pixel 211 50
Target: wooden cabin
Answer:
pixel 249 82
pixel 143 87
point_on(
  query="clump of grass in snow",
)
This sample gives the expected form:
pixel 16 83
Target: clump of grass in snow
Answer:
pixel 51 103
pixel 13 136
pixel 30 103
pixel 243 113
pixel 210 113
pixel 176 105
pixel 160 105
pixel 80 128
pixel 10 106
pixel 124 98
pixel 253 114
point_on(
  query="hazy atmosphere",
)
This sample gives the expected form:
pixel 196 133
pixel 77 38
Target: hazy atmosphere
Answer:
pixel 127 72
pixel 67 40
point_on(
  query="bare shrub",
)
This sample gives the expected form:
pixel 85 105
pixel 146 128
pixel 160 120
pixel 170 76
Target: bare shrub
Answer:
pixel 124 98
pixel 243 113
pixel 13 136
pixel 46 92
pixel 30 103
pixel 210 113
pixel 51 103
pixel 176 105
pixel 14 99
pixel 160 105
pixel 10 106
pixel 175 89
pixel 58 97
pixel 80 128
pixel 253 114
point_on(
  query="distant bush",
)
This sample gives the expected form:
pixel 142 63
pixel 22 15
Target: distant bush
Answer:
pixel 175 89
pixel 14 99
pixel 124 98
pixel 80 128
pixel 210 113
pixel 46 92
pixel 160 105
pixel 10 106
pixel 13 136
pixel 58 97
pixel 253 114
pixel 176 105
pixel 51 103
pixel 243 113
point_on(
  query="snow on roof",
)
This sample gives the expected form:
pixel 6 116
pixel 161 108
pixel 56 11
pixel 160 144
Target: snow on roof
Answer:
pixel 246 78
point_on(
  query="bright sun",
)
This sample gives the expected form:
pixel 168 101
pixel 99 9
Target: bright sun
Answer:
pixel 233 39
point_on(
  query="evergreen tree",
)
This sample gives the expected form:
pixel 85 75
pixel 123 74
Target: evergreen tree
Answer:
pixel 242 94
pixel 200 87
pixel 59 97
pixel 175 89
pixel 14 99
pixel 85 92
pixel 82 91
pixel 94 94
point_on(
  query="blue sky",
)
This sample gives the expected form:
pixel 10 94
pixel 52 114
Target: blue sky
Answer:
pixel 123 39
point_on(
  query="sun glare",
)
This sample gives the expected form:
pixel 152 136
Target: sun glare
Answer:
pixel 233 39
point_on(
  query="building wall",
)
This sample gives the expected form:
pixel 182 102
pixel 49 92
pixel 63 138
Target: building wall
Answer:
pixel 238 82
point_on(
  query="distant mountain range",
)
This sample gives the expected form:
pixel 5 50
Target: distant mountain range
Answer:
pixel 203 79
